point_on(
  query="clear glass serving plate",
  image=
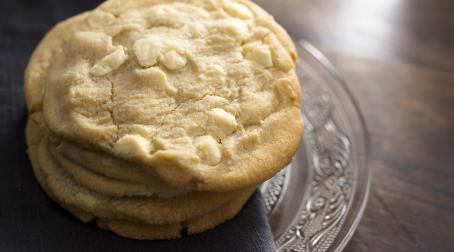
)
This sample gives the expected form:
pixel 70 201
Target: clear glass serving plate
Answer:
pixel 316 202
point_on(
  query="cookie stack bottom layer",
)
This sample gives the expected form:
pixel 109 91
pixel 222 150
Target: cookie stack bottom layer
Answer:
pixel 133 217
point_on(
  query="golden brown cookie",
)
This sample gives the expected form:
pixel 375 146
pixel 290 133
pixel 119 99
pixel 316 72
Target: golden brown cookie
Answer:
pixel 129 226
pixel 116 170
pixel 154 116
pixel 194 226
pixel 197 91
pixel 145 209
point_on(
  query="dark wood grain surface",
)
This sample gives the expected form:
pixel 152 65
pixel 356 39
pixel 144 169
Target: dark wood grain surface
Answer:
pixel 397 57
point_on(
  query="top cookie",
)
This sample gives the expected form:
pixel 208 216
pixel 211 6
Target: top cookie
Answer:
pixel 198 91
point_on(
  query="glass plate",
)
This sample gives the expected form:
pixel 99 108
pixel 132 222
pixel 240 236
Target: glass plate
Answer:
pixel 316 202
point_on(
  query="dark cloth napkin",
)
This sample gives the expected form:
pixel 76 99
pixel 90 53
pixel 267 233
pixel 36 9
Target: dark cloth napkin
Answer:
pixel 29 220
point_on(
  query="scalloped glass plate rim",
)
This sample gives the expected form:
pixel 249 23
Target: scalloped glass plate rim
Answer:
pixel 335 142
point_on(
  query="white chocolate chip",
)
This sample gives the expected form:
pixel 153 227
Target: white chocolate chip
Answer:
pixel 197 30
pixel 281 57
pixel 247 48
pixel 115 30
pixel 156 78
pixel 93 40
pixel 262 55
pixel 257 107
pixel 216 70
pixel 209 149
pixel 261 32
pixel 235 27
pixel 173 60
pixel 238 10
pixel 214 100
pixel 147 51
pixel 141 130
pixel 132 145
pixel 213 73
pixel 249 140
pixel 160 143
pixel 224 119
pixel 109 62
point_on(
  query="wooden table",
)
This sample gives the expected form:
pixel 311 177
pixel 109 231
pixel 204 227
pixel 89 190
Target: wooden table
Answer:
pixel 397 57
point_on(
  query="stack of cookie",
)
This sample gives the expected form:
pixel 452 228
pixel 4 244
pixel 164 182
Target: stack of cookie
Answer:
pixel 154 116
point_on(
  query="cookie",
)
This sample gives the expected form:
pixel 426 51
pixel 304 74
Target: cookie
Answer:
pixel 198 91
pixel 102 165
pixel 194 226
pixel 152 117
pixel 129 226
pixel 145 209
